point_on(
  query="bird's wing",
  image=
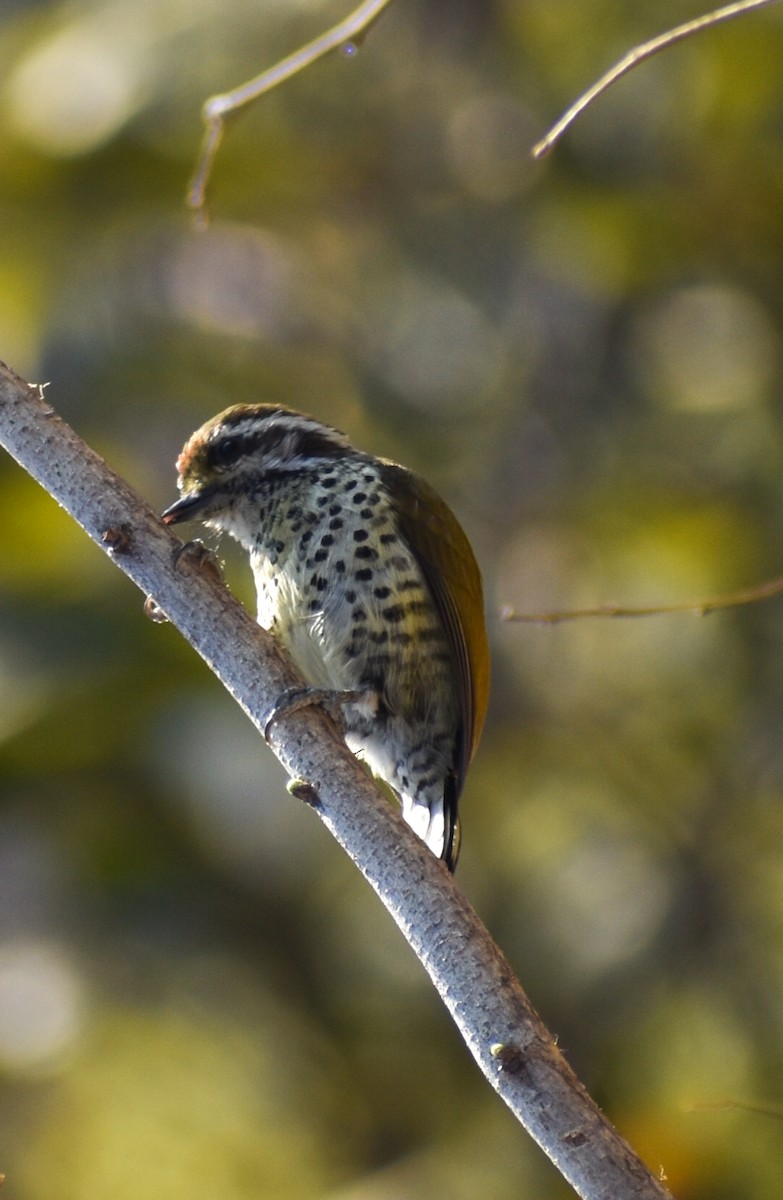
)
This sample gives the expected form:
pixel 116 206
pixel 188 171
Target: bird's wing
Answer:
pixel 448 564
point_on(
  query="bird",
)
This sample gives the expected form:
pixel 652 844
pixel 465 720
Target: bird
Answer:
pixel 366 578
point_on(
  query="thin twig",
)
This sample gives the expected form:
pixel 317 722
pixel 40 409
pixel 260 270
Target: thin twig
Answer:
pixel 345 35
pixel 639 55
pixel 696 608
pixel 506 1036
pixel 763 1110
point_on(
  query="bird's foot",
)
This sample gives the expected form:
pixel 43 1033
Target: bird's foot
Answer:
pixel 330 699
pixel 201 557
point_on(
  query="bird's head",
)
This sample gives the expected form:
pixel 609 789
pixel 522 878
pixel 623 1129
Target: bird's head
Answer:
pixel 227 462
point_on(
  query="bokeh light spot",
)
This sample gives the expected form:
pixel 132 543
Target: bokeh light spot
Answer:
pixel 40 1005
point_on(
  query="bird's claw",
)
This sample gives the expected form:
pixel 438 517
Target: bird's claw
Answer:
pixel 201 557
pixel 295 698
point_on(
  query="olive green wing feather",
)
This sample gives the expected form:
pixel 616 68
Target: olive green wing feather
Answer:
pixel 449 566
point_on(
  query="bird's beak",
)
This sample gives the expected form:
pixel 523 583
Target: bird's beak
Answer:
pixel 187 508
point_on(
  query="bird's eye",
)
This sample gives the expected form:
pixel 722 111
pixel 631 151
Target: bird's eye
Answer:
pixel 225 452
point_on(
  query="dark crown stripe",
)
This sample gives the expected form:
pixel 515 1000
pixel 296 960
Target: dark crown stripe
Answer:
pixel 316 443
pixel 244 438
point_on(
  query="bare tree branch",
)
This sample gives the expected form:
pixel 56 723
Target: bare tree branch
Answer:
pixel 505 1035
pixel 638 55
pixel 218 108
pixel 695 608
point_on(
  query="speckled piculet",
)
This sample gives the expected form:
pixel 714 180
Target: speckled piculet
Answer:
pixel 366 578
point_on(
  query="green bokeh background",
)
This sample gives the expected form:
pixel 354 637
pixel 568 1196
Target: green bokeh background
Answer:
pixel 198 994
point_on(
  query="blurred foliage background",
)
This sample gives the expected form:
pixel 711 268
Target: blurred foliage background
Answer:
pixel 197 992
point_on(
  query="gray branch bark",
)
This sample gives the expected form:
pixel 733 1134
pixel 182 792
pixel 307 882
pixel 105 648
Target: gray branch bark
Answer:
pixel 510 1043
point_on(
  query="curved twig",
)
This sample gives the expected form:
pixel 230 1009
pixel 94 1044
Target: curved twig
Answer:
pixel 638 55
pixel 218 108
